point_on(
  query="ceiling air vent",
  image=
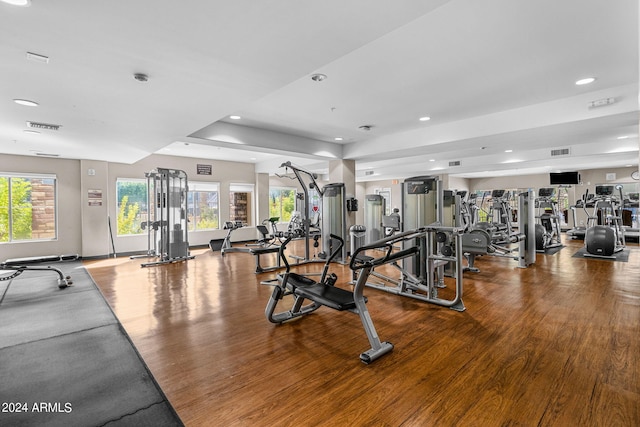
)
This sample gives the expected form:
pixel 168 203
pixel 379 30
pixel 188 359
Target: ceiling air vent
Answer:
pixel 367 173
pixel 47 155
pixel 560 152
pixel 46 126
pixel 455 163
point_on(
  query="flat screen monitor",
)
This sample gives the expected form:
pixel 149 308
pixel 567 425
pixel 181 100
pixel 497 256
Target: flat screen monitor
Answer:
pixel 564 178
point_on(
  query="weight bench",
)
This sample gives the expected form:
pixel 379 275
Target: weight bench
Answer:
pixel 324 293
pixel 261 251
pixel 20 265
pixel 321 293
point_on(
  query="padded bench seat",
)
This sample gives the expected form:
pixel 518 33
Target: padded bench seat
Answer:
pixel 256 252
pixel 336 298
pixel 268 250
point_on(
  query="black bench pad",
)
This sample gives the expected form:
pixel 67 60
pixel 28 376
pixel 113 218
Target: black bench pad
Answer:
pixel 336 298
pixel 259 251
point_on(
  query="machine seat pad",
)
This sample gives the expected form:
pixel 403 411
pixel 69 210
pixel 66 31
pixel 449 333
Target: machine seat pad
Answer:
pixel 336 298
pixel 268 250
pixel 364 258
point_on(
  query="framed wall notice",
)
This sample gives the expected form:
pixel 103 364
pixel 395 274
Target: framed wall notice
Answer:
pixel 94 197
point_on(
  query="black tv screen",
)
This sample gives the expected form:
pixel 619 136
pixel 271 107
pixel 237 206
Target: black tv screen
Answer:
pixel 564 178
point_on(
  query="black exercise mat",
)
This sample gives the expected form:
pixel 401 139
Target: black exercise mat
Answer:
pixel 65 359
pixel 622 256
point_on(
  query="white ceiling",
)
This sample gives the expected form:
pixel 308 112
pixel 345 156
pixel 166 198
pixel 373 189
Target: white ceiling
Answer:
pixel 492 75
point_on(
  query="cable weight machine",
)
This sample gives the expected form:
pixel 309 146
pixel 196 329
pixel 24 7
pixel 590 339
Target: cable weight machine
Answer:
pixel 167 222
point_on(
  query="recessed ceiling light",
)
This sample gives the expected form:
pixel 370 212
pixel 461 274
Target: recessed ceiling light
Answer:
pixel 17 2
pixel 30 131
pixel 36 57
pixel 623 137
pixel 235 117
pixel 432 160
pixel 338 138
pixel 141 77
pixel 26 102
pixel 585 81
pixel 425 119
pixel 324 154
pixel 508 151
pixel 318 77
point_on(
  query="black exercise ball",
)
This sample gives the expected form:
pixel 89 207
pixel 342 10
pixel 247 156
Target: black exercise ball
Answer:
pixel 600 240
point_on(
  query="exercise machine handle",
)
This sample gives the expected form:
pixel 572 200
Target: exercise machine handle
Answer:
pixel 357 263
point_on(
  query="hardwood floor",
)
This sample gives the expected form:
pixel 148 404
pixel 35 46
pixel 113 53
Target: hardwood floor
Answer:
pixel 556 344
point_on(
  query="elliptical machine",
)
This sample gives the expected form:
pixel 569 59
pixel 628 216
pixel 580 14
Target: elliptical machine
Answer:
pixel 605 235
pixel 548 233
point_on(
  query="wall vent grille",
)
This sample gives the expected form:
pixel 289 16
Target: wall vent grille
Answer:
pixel 455 163
pixel 560 152
pixel 46 126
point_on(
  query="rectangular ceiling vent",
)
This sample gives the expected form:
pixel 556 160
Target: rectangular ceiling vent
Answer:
pixel 455 163
pixel 367 173
pixel 45 126
pixel 560 152
pixel 47 155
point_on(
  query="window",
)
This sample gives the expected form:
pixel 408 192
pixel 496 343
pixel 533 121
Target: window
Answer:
pixel 131 195
pixel 282 202
pixel 203 206
pixel 241 203
pixel 28 208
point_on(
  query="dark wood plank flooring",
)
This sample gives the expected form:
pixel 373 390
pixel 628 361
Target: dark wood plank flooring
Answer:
pixel 556 344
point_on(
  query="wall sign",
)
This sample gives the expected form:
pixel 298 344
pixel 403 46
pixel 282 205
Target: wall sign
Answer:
pixel 95 197
pixel 204 169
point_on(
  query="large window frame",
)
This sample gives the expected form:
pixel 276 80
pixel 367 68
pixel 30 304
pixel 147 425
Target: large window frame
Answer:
pixel 203 202
pixel 28 207
pixel 282 202
pixel 135 210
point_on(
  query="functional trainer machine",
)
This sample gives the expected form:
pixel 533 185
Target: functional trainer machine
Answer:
pixel 167 222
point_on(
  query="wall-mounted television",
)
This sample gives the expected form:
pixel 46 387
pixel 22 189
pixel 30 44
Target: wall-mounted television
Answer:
pixel 564 178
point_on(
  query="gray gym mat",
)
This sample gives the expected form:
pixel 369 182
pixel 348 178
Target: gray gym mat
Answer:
pixel 622 256
pixel 65 359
